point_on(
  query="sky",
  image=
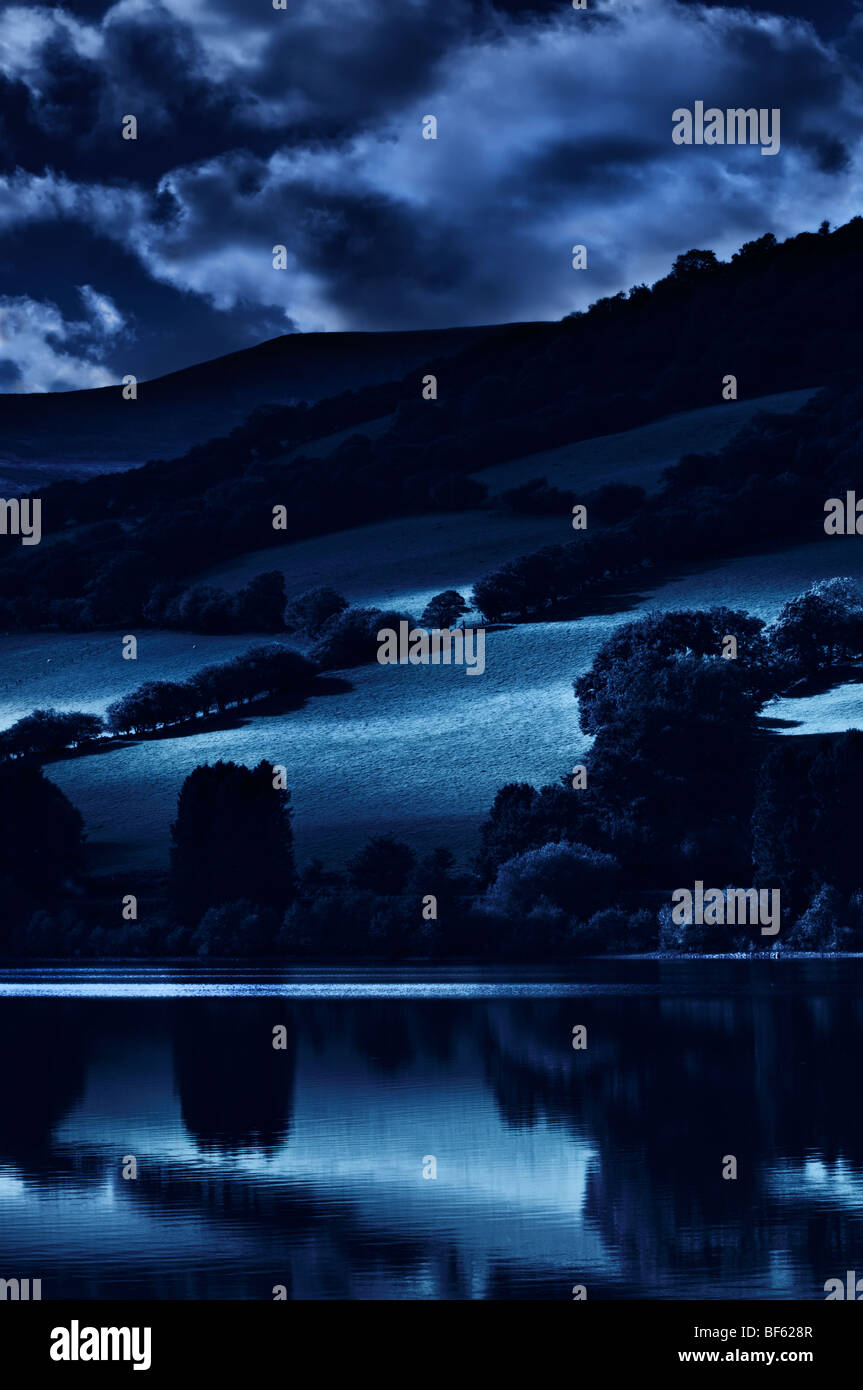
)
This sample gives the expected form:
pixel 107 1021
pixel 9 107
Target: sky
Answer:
pixel 302 127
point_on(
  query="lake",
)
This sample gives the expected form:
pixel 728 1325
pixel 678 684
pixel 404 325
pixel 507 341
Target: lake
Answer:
pixel 432 1133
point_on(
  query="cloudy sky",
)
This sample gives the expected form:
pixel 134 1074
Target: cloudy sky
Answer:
pixel 302 127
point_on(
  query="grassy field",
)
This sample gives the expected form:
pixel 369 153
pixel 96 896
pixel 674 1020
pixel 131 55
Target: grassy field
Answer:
pixel 419 751
pixel 85 671
pixel 638 456
pixel 405 561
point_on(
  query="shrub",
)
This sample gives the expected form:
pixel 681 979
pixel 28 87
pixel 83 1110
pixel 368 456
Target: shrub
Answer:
pixel 310 611
pixel 536 498
pixel 614 502
pixel 823 926
pixel 615 929
pixel 571 877
pixel 233 929
pixel 351 638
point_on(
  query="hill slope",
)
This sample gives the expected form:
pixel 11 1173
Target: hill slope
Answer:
pixel 403 562
pixel 73 433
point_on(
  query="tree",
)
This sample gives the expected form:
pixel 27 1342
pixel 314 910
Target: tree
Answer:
pixel 309 611
pixel 836 777
pixel 232 841
pixel 151 704
pixel 272 669
pixel 522 818
pixel 49 731
pixel 614 502
pixel 782 844
pixel 690 265
pixel 42 845
pixel 444 610
pixel 350 638
pixel 671 770
pixel 759 250
pixel 490 597
pixel 383 865
pixel 233 929
pixel 536 498
pixel 823 926
pixel 571 877
pixel 504 832
pixel 803 835
pixel 820 627
pixel 669 665
pixel 260 606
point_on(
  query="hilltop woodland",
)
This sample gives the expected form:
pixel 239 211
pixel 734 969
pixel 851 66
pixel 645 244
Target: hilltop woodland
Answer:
pixel 124 549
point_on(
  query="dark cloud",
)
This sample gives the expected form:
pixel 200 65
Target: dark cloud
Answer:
pixel 829 17
pixel 259 127
pixel 829 153
pixel 10 375
pixel 600 164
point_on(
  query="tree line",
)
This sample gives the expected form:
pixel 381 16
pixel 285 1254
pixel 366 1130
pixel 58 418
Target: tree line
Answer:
pixel 259 672
pixel 339 636
pixel 766 488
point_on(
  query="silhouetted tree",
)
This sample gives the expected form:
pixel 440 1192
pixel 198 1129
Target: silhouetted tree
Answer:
pixel 782 822
pixel 49 731
pixel 350 638
pixel 42 843
pixel 824 924
pixel 383 865
pixel 570 877
pixel 692 264
pixel 820 627
pixel 836 777
pixel 309 611
pixel 667 662
pixel 614 502
pixel 232 840
pixel 444 610
pixel 260 606
pixel 536 498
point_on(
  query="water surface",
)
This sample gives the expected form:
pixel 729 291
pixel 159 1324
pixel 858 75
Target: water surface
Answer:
pixel 304 1167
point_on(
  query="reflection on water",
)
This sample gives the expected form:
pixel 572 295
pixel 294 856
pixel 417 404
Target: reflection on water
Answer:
pixel 304 1166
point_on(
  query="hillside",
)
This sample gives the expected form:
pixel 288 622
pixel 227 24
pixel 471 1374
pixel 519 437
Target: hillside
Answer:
pixel 75 433
pixel 417 751
pixel 513 400
pixel 405 561
pixel 367 759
